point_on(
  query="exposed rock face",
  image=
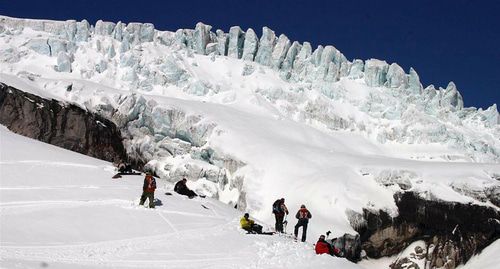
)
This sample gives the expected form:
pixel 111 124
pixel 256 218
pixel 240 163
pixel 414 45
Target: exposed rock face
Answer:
pixel 453 232
pixel 64 125
pixel 349 245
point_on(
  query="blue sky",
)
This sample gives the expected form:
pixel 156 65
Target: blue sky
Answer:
pixel 443 40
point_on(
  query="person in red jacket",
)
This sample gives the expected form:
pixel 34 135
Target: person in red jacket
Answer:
pixel 303 215
pixel 148 190
pixel 322 247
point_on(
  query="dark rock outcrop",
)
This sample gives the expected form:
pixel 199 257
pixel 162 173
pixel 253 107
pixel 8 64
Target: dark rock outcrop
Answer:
pixel 64 125
pixel 453 232
pixel 349 245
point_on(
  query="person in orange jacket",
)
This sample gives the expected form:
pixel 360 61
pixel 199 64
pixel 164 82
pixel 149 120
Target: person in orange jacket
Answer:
pixel 148 190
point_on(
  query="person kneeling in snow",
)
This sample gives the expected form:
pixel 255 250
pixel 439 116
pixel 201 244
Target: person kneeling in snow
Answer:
pixel 323 247
pixel 249 225
pixel 181 188
pixel 148 190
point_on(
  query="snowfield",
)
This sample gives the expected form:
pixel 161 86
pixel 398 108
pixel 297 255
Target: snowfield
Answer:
pixel 61 209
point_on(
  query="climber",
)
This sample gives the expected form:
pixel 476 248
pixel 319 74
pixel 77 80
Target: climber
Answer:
pixel 148 190
pixel 124 167
pixel 181 188
pixel 303 216
pixel 323 247
pixel 279 211
pixel 249 225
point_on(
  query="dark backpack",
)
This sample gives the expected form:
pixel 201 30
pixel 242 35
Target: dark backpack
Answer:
pixel 277 207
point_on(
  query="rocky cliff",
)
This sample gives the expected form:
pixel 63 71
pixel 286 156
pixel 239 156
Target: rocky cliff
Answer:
pixel 452 232
pixel 64 125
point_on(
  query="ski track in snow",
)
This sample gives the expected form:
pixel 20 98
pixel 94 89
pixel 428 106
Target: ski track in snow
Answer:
pixel 168 222
pixel 106 251
pixel 111 253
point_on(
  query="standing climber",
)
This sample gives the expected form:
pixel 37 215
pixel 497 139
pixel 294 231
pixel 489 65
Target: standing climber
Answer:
pixel 181 188
pixel 303 215
pixel 279 211
pixel 148 190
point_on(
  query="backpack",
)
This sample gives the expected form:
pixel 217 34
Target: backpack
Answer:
pixel 277 207
pixel 302 214
pixel 151 183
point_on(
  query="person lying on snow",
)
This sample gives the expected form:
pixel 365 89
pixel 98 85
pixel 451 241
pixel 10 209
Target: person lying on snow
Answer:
pixel 323 247
pixel 181 188
pixel 249 225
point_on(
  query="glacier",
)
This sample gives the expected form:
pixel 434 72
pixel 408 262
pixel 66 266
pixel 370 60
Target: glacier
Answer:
pixel 194 103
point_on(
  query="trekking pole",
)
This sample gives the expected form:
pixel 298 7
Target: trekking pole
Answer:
pixel 285 222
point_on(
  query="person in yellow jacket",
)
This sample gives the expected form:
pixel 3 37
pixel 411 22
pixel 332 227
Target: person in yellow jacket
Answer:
pixel 249 225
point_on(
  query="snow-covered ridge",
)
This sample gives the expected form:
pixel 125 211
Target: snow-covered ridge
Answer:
pixel 295 61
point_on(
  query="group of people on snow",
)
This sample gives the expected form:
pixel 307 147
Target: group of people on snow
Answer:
pixel 279 210
pixel 303 215
pixel 149 187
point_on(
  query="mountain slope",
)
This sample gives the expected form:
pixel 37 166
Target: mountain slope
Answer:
pixel 251 122
pixel 60 209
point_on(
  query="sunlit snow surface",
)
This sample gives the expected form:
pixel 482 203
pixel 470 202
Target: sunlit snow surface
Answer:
pixel 61 209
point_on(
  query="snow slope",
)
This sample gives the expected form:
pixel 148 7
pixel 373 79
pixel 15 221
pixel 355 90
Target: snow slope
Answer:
pixel 488 258
pixel 246 135
pixel 61 209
